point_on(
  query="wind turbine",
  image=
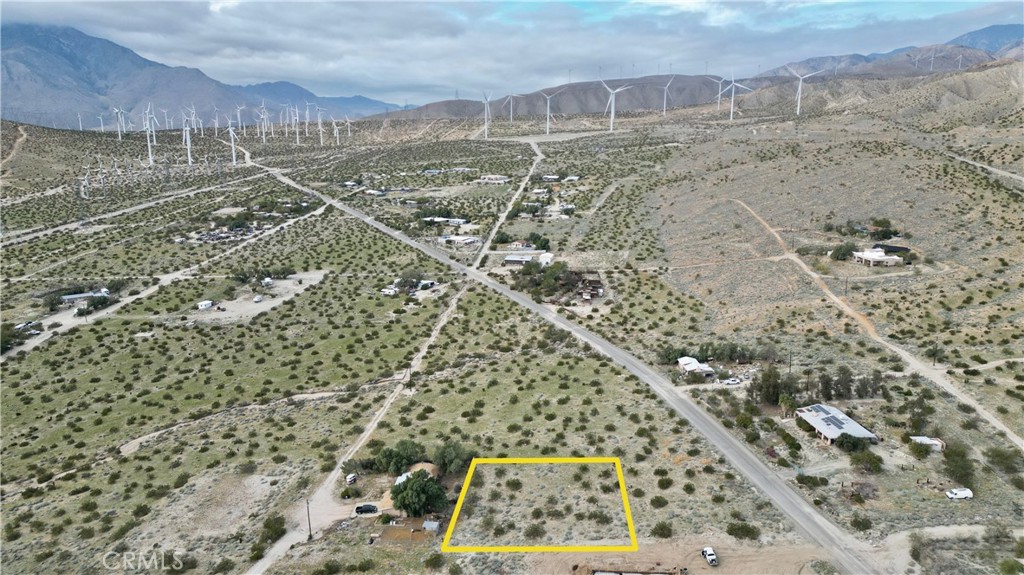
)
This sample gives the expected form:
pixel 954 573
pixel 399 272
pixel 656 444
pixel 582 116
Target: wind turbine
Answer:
pixel 320 124
pixel 959 61
pixel 547 125
pixel 720 90
pixel 238 115
pixel 79 121
pixel 487 113
pixel 931 68
pixel 216 122
pixel 167 120
pixel 732 94
pixel 102 128
pixel 118 115
pixel 348 124
pixel 511 104
pixel 306 128
pixel 916 58
pixel 664 101
pixel 231 134
pixel 611 103
pixel 187 134
pixel 337 134
pixel 800 85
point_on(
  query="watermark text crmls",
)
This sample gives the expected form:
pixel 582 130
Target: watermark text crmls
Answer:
pixel 144 560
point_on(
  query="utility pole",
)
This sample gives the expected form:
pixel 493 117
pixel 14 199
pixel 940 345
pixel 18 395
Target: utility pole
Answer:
pixel 309 521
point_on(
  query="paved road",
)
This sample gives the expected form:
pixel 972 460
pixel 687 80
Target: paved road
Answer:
pixel 848 554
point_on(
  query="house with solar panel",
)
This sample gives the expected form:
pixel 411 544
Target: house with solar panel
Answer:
pixel 829 423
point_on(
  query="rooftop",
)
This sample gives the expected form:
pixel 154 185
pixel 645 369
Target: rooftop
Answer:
pixel 832 422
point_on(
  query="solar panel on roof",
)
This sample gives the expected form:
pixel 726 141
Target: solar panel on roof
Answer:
pixel 820 408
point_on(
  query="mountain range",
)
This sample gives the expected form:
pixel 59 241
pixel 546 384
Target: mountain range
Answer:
pixel 52 74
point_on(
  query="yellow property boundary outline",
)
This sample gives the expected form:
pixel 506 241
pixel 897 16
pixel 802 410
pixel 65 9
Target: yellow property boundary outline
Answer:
pixel 446 546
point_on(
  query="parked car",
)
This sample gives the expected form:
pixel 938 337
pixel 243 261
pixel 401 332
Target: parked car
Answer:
pixel 732 381
pixel 366 509
pixel 709 555
pixel 960 493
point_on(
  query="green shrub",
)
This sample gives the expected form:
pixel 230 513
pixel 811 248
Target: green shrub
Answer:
pixel 743 531
pixel 663 530
pixel 658 502
pixel 860 523
pixel 434 561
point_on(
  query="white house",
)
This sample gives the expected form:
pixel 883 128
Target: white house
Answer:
pixel 205 304
pixel 549 178
pixel 691 365
pixel 494 179
pixel 457 221
pixel 572 179
pixel 545 259
pixel 389 291
pixel 830 422
pixel 876 256
pixel 104 292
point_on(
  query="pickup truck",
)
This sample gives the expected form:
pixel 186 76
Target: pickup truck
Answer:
pixel 709 554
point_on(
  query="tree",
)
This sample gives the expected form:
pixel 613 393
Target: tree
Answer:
pixel 849 443
pixel 8 337
pixel 419 494
pixel 843 384
pixel 452 457
pixel 410 279
pixel 787 403
pixel 958 464
pixel 825 386
pixel 875 382
pixel 52 301
pixel 843 251
pixel 395 460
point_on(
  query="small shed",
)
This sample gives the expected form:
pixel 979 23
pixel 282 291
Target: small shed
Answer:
pixel 205 304
pixel 935 443
pixel 516 260
pixel 432 526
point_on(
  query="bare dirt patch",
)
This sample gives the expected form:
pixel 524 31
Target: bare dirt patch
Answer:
pixel 245 307
pixel 780 557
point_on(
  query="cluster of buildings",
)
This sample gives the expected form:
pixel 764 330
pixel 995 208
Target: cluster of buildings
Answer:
pixel 445 221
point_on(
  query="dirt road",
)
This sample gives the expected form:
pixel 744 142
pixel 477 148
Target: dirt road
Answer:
pixel 935 374
pixel 849 554
pixel 484 249
pixel 324 508
pixel 22 136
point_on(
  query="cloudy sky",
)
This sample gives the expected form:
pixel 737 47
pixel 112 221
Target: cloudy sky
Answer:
pixel 421 51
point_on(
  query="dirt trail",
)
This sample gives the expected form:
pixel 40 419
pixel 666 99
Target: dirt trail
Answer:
pixel 324 508
pixel 996 171
pixel 22 136
pixel 16 238
pixel 307 518
pixel 935 374
pixel 537 158
pixel 68 319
